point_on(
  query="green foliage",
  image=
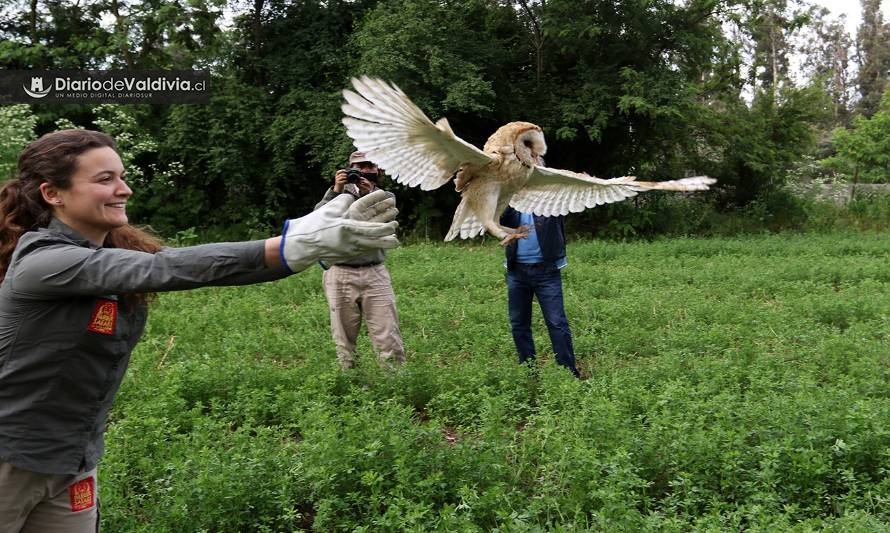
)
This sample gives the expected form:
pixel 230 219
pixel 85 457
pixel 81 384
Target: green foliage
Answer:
pixel 668 214
pixel 297 56
pixel 732 384
pixel 219 171
pixel 863 151
pixel 761 144
pixel 147 34
pixel 412 41
pixel 51 35
pixel 872 37
pixel 624 81
pixel 17 124
pixel 656 89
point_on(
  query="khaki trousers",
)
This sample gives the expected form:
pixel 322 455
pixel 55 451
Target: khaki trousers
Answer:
pixel 48 503
pixel 363 291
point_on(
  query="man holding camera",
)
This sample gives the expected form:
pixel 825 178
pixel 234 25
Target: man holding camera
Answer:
pixel 361 287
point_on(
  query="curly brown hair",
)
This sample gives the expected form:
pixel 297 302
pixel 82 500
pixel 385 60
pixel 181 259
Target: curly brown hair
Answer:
pixel 53 158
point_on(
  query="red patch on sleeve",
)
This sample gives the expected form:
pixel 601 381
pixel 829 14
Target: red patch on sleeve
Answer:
pixel 104 317
pixel 82 494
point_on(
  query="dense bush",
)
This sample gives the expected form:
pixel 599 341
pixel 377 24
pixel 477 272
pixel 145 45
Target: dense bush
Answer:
pixel 671 214
pixel 863 151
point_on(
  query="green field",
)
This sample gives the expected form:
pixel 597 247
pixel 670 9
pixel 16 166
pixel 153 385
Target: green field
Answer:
pixel 731 384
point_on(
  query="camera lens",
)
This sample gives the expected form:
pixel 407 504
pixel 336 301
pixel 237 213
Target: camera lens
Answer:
pixel 353 176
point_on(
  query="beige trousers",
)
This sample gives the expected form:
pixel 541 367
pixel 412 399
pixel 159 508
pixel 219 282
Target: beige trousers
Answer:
pixel 363 291
pixel 47 503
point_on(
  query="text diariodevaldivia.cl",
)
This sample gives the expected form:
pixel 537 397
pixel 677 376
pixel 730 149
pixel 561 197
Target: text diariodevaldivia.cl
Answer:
pixel 129 85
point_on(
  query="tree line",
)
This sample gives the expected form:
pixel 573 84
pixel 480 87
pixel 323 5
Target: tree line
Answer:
pixel 655 88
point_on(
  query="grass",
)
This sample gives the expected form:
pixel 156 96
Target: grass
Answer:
pixel 732 384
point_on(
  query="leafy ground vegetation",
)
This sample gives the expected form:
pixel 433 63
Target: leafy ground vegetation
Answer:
pixel 732 383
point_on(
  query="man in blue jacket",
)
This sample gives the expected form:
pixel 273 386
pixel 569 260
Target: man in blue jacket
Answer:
pixel 533 270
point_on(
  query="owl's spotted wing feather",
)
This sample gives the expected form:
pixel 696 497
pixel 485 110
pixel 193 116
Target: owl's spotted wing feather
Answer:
pixel 553 191
pixel 400 138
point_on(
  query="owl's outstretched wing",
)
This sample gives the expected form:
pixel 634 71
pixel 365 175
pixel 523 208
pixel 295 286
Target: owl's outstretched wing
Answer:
pixel 397 136
pixel 553 191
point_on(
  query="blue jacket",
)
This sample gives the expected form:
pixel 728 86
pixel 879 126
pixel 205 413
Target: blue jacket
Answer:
pixel 551 236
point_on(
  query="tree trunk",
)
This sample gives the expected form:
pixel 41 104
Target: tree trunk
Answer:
pixel 537 41
pixel 121 29
pixel 257 25
pixel 32 22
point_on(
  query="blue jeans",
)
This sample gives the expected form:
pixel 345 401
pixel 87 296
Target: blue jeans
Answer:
pixel 525 282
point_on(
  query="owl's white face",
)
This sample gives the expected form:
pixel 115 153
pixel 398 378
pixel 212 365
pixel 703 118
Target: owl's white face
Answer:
pixel 530 147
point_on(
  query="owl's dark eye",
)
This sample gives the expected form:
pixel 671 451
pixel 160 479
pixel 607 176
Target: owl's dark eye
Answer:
pixel 527 143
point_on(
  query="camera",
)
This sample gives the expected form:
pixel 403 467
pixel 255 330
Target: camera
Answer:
pixel 353 175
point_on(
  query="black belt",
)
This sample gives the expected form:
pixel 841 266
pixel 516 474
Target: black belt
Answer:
pixel 363 265
pixel 534 265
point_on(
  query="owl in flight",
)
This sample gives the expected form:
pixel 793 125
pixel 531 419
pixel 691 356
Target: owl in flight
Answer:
pixel 509 170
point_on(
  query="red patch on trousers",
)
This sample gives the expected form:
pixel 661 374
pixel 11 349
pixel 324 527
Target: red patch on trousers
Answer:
pixel 104 317
pixel 82 494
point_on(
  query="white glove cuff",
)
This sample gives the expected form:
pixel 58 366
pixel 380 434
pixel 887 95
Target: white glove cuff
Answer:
pixel 281 246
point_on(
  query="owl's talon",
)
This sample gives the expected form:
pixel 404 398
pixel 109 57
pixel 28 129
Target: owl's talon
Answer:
pixel 520 233
pixel 508 239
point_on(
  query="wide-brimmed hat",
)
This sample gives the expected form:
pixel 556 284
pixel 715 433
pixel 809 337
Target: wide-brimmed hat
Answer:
pixel 358 157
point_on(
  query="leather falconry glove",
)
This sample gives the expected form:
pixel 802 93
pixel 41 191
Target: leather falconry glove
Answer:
pixel 340 230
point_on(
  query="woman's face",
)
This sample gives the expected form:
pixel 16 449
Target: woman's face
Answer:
pixel 96 202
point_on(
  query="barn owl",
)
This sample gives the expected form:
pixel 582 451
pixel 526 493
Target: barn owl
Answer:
pixel 397 136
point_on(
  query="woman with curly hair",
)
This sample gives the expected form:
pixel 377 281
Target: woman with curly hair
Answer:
pixel 76 280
